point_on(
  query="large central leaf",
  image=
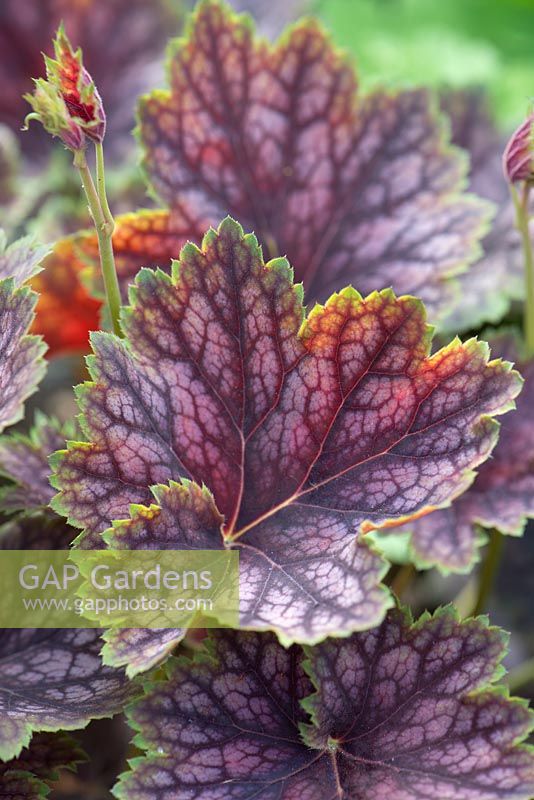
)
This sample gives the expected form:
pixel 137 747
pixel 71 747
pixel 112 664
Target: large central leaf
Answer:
pixel 301 429
pixel 403 711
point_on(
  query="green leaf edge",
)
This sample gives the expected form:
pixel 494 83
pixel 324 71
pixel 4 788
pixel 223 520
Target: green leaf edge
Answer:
pixel 34 341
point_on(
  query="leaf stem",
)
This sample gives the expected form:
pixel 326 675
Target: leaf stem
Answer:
pixel 104 226
pixel 101 183
pixel 521 204
pixel 488 571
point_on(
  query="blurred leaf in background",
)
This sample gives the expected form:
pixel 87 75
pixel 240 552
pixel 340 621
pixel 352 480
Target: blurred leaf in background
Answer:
pixel 441 42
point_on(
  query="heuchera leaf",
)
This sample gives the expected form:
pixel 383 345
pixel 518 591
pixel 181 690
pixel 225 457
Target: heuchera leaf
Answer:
pixel 302 430
pixel 351 189
pixel 502 495
pixel 404 711
pixel 24 461
pixel 152 238
pixel 22 259
pixel 27 777
pixel 489 286
pixel 51 679
pixel 21 362
pixel 69 286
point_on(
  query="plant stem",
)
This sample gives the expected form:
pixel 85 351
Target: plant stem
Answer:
pixel 104 231
pixel 101 183
pixel 522 220
pixel 521 675
pixel 488 571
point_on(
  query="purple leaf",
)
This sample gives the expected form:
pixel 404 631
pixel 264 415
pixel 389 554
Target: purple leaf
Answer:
pixel 51 679
pixel 302 430
pixel 502 495
pixel 22 259
pixel 24 461
pixel 21 362
pixel 361 190
pixel 404 711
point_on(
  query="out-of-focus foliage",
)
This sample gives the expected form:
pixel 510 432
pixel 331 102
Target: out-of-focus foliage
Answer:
pixel 436 42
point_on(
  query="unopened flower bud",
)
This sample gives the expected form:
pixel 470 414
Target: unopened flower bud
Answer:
pixel 67 102
pixel 77 87
pixel 518 157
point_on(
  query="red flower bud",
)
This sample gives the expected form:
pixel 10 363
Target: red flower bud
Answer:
pixel 67 103
pixel 76 87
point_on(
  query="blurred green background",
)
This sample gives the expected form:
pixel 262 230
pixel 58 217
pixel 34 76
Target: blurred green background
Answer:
pixel 487 43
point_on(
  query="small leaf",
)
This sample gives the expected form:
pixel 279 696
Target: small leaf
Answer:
pixel 51 679
pixel 24 461
pixel 302 430
pixel 404 711
pixel 27 777
pixel 22 259
pixel 21 362
pixel 351 189
pixel 502 495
